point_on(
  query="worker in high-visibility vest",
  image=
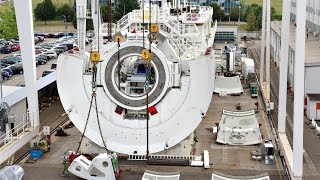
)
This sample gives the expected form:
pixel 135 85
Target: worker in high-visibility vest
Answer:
pixel 65 159
pixel 115 163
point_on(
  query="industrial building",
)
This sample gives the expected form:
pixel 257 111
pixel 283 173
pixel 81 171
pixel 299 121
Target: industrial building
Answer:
pixel 312 60
pixel 312 17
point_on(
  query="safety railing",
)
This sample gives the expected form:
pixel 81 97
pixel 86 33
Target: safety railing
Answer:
pixel 105 28
pixel 144 157
pixel 17 132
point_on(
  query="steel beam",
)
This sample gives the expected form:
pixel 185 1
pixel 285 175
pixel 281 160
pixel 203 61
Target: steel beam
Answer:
pixel 24 13
pixel 81 23
pixel 263 39
pixel 267 95
pixel 299 70
pixel 284 66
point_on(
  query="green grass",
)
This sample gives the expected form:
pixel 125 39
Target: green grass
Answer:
pixel 277 4
pixel 53 26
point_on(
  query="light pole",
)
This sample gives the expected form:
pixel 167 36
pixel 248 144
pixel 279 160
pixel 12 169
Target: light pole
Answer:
pixel 65 24
pixel 239 14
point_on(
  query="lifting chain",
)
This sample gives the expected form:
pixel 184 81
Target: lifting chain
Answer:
pixel 95 58
pixel 119 66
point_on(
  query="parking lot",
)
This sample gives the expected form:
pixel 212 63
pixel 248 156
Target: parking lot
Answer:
pixel 17 79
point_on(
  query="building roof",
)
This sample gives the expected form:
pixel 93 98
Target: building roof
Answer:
pixel 312 43
pixel 314 97
pixel 14 94
pixel 6 90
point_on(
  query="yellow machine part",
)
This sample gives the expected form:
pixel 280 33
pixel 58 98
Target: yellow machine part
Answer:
pixel 95 57
pixel 145 54
pixel 118 39
pixel 154 28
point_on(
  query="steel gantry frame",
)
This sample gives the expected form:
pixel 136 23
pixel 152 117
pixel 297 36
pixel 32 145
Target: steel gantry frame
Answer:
pixel 265 52
pixel 24 19
pixel 294 156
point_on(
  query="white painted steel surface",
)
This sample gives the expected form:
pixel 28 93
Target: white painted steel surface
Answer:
pixel 263 40
pixel 239 128
pixel 228 85
pixel 13 172
pixel 267 88
pixel 181 107
pixel 220 176
pixel 284 67
pixel 298 114
pixel 23 10
pixel 24 13
pixel 312 111
pixel 152 175
pixel 100 168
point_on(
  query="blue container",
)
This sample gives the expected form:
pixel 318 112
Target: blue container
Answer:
pixel 36 153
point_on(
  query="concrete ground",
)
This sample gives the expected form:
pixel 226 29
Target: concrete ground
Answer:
pixel 232 160
pixel 311 140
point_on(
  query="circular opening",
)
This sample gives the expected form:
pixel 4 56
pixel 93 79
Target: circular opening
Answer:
pixel 135 76
pixel 105 164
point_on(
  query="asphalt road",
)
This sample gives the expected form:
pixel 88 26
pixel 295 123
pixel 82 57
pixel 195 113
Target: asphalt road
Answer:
pixel 311 140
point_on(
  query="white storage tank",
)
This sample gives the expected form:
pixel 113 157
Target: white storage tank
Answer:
pixel 247 66
pixel 313 106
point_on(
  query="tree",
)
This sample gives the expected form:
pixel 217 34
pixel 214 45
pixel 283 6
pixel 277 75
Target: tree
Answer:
pixel 66 10
pixel 256 10
pixel 8 24
pixel 104 12
pixel 251 21
pixel 234 13
pixel 123 7
pixel 45 11
pixel 217 12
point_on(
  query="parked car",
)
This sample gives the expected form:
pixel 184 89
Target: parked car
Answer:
pixel 46 72
pixel 8 70
pixel 50 54
pixel 5 75
pixel 58 35
pixel 11 60
pixel 37 51
pixel 58 51
pixel 50 35
pixel 3 42
pixel 69 45
pixel 64 48
pixel 16 68
pixel 36 40
pixel 15 47
pixel 40 34
pixel 70 34
pixel 42 57
pixel 41 60
pixel 47 46
pixel 41 38
pixel 5 49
